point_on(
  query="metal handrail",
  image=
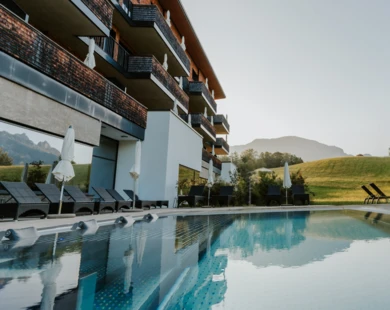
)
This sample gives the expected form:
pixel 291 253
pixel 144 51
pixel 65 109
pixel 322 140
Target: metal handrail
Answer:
pixel 115 50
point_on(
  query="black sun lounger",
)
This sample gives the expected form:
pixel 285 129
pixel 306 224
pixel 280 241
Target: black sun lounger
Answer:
pixel 140 204
pixel 298 194
pixel 26 201
pixel 225 197
pixel 194 197
pixel 52 194
pixel 273 194
pixel 381 195
pixel 371 196
pixel 121 203
pixel 105 197
pixel 77 195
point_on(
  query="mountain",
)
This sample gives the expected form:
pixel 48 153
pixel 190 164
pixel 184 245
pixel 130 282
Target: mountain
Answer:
pixel 23 150
pixel 308 150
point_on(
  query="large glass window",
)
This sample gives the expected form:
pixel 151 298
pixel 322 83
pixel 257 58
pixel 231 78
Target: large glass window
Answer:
pixel 104 164
pixel 187 178
pixel 40 151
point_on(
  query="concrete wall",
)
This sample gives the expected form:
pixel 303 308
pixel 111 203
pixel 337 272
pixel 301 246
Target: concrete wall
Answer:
pixel 227 168
pixel 125 160
pixel 169 142
pixel 28 108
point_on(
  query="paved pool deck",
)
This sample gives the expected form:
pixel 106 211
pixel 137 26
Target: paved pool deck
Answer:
pixel 47 225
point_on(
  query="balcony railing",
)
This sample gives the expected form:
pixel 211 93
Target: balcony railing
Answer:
pixel 221 142
pixel 144 15
pixel 114 50
pixel 138 64
pixel 219 120
pixel 206 156
pixel 199 88
pixel 30 46
pixel 198 120
pixel 102 9
pixel 142 67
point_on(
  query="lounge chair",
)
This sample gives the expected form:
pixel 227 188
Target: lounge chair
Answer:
pixel 26 201
pixel 371 196
pixel 121 203
pixel 225 197
pixel 381 195
pixel 140 204
pixel 106 197
pixel 273 194
pixel 194 197
pixel 157 203
pixel 298 194
pixel 52 194
pixel 78 196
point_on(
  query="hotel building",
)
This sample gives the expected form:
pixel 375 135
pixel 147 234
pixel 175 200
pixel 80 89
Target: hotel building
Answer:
pixel 152 81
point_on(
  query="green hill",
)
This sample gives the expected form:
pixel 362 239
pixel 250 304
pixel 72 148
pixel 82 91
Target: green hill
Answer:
pixel 338 180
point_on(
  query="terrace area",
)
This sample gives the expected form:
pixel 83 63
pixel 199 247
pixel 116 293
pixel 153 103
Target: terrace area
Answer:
pixel 143 76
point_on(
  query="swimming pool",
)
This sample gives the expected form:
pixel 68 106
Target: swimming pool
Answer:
pixel 294 260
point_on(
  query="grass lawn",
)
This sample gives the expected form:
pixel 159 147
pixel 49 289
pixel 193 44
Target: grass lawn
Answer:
pixel 339 180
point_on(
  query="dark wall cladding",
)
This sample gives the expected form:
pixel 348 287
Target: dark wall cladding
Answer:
pixel 25 43
pixel 221 119
pixel 206 156
pixel 143 15
pixel 200 88
pixel 200 119
pixel 222 143
pixel 151 65
pixel 102 9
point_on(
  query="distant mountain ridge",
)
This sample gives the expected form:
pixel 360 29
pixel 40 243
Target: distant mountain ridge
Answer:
pixel 308 150
pixel 23 150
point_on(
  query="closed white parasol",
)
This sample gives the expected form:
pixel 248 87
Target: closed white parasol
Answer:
pixel 64 172
pixel 210 180
pixel 90 59
pixel 136 168
pixel 286 179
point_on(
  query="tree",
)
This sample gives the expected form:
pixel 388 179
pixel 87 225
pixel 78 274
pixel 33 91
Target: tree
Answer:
pixel 36 175
pixel 5 159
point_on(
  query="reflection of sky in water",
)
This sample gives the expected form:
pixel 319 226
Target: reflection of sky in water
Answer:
pixel 339 263
pixel 83 153
pixel 299 260
pixel 356 278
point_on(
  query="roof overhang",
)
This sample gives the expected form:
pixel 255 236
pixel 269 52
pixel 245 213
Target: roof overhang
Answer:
pixel 194 47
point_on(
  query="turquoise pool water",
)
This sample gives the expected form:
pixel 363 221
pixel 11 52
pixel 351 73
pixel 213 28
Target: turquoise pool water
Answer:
pixel 299 260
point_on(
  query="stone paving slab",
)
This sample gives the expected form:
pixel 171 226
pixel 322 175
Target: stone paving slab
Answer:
pixel 66 223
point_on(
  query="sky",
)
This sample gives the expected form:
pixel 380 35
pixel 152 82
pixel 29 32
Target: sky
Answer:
pixel 309 68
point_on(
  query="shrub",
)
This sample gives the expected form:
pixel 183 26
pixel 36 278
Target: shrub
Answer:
pixel 36 174
pixel 5 159
pixel 261 187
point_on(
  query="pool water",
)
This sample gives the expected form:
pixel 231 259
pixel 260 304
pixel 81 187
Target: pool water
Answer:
pixel 295 260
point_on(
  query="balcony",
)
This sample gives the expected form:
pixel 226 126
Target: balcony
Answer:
pixel 202 125
pixel 144 77
pixel 221 124
pixel 221 147
pixel 200 97
pixel 206 156
pixel 26 44
pixel 145 27
pixel 67 18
